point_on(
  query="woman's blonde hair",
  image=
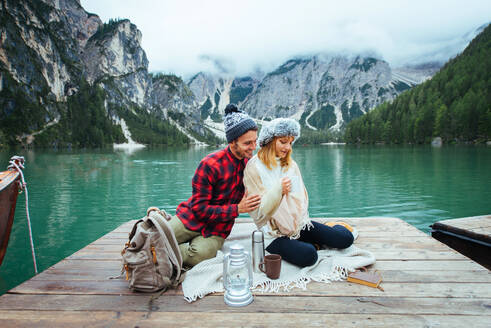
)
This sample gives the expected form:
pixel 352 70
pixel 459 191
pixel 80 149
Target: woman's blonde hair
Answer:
pixel 267 155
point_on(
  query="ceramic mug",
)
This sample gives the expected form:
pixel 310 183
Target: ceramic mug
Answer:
pixel 271 266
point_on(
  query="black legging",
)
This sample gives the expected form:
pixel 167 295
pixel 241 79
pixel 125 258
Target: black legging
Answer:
pixel 302 252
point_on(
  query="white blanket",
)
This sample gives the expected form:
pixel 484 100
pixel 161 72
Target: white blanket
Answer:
pixel 332 265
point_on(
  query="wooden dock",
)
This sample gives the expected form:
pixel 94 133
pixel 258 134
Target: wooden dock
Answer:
pixel 426 284
pixel 469 236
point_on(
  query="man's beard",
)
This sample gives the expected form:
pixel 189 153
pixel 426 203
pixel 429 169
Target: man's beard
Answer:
pixel 239 152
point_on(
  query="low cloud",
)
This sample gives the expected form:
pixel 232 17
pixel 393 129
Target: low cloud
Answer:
pixel 184 37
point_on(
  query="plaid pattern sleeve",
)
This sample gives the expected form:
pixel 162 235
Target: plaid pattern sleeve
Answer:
pixel 217 190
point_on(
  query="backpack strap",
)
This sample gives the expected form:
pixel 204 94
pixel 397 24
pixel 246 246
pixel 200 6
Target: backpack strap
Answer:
pixel 133 231
pixel 166 231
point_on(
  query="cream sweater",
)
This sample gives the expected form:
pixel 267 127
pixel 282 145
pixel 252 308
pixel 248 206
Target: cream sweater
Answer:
pixel 286 215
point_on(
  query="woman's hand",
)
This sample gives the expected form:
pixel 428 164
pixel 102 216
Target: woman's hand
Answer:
pixel 249 203
pixel 286 185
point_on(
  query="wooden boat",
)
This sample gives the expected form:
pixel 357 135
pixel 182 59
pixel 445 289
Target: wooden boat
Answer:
pixel 9 189
pixel 469 236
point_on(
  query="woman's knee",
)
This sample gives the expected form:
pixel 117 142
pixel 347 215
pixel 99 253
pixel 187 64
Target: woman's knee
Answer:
pixel 306 256
pixel 346 239
pixel 294 251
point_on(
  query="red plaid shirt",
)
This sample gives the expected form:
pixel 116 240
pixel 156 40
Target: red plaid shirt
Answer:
pixel 217 189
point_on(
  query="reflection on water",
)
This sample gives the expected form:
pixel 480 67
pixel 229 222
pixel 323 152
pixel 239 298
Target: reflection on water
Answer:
pixel 78 196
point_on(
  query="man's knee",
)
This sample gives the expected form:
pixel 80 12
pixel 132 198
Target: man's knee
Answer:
pixel 200 249
pixel 197 255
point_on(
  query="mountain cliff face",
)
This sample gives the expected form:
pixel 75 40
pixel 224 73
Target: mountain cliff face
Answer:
pixel 39 62
pixel 327 91
pixel 213 92
pixel 113 57
pixel 51 47
pixel 35 57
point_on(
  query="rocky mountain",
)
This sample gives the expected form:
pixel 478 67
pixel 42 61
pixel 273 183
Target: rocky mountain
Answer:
pixel 39 56
pixel 114 59
pixel 326 92
pixel 321 92
pixel 51 48
pixel 214 92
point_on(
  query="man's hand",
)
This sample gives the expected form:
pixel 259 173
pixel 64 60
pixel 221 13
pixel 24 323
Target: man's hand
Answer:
pixel 249 203
pixel 286 185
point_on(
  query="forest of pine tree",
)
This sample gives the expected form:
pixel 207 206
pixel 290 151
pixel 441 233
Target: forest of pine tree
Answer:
pixel 83 123
pixel 454 105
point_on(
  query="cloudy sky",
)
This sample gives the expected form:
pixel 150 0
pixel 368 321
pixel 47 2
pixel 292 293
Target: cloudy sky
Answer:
pixel 187 36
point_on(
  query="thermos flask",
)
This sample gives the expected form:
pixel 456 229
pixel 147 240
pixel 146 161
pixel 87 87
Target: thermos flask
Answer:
pixel 257 249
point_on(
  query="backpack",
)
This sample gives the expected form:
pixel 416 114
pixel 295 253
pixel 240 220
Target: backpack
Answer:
pixel 151 258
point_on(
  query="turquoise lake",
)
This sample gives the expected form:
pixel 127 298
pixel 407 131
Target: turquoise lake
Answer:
pixel 77 196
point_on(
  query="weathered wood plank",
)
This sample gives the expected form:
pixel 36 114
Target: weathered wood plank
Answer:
pixel 120 287
pixel 232 319
pixel 427 265
pixel 383 254
pixel 418 265
pixel 368 242
pixel 422 276
pixel 481 223
pixel 376 223
pixel 270 304
pixel 425 284
pixel 79 287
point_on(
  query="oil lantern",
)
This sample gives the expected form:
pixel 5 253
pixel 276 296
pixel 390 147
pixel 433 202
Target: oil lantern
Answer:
pixel 237 277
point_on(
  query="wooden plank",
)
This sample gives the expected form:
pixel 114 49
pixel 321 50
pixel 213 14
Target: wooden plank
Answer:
pixel 368 242
pixel 369 223
pixel 232 319
pixel 388 275
pixel 77 287
pixel 270 304
pixel 427 265
pixel 362 242
pixel 382 254
pixel 120 287
pixel 470 223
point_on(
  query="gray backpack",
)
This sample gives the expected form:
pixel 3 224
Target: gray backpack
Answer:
pixel 151 258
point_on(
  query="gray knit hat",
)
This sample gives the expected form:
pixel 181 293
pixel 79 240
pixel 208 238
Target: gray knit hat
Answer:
pixel 237 122
pixel 279 127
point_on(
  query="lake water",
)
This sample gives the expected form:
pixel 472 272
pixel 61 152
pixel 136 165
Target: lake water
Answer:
pixel 76 197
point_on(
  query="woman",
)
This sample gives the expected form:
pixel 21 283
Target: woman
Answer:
pixel 274 175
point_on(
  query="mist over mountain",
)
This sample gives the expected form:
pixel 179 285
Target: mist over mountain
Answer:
pixel 452 107
pixel 67 79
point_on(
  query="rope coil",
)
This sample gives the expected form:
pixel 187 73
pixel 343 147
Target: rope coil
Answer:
pixel 17 163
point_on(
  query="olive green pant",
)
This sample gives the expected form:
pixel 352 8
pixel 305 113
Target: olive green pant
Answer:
pixel 193 246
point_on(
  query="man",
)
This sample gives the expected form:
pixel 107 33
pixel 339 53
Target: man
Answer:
pixel 202 223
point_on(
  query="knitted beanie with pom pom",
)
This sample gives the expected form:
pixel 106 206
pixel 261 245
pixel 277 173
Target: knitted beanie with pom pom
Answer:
pixel 237 123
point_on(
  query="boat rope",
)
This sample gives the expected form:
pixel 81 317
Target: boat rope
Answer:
pixel 17 163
